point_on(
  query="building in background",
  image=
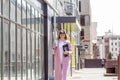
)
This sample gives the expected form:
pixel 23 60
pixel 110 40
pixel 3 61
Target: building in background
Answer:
pixel 101 47
pixel 94 38
pixel 85 22
pixel 114 45
pixel 108 46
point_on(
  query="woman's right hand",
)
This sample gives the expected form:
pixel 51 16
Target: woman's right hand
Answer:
pixel 54 45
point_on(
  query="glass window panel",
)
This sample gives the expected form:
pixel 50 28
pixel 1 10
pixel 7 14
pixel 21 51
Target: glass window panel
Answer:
pixel 33 59
pixel 37 58
pixel 39 22
pixel 19 11
pixel 0 49
pixel 40 49
pixel 12 52
pixel 23 12
pixel 6 50
pixel 87 21
pixel 42 26
pixel 12 10
pixel 28 15
pixel 28 56
pixel 24 53
pixel 32 17
pixel 36 20
pixel 6 8
pixel 42 56
pixel 0 6
pixel 19 54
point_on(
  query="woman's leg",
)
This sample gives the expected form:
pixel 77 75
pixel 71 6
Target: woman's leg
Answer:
pixel 64 69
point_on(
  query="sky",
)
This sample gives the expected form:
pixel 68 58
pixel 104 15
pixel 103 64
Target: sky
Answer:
pixel 107 15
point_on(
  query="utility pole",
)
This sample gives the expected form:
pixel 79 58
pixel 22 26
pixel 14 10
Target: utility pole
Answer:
pixel 118 67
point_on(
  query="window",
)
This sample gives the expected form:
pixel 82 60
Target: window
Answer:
pixel 33 51
pixel 28 16
pixel 0 49
pixel 6 48
pixel 12 10
pixel 119 44
pixel 23 12
pixel 6 8
pixel 115 43
pixel 40 56
pixel 112 49
pixel 12 51
pixel 80 6
pixel 0 7
pixel 21 49
pixel 19 6
pixel 115 49
pixel 112 43
pixel 37 57
pixel 29 55
pixel 82 34
pixel 85 20
pixel 40 23
pixel 19 64
pixel 24 54
pixel 32 17
pixel 36 21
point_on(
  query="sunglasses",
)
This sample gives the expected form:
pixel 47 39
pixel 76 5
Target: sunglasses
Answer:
pixel 62 32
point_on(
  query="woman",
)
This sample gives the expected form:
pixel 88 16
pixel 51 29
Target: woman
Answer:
pixel 61 56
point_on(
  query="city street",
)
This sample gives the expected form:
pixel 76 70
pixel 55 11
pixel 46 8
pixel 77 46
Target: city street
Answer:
pixel 90 74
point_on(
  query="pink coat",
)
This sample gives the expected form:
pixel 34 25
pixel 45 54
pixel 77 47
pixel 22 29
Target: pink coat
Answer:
pixel 57 64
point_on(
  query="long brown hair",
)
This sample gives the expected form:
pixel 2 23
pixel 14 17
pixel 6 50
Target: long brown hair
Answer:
pixel 62 32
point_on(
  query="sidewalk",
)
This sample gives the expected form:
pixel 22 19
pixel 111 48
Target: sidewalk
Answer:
pixel 90 74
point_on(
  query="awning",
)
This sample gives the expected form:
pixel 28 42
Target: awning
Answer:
pixel 67 19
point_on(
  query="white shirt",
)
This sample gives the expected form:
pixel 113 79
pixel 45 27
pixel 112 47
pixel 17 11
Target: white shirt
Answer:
pixel 61 43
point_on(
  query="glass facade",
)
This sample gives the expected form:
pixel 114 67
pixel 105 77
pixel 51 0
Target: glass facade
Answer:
pixel 0 50
pixel 21 41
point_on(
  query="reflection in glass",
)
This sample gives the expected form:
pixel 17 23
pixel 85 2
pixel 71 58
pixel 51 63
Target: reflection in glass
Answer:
pixel 28 16
pixel 24 53
pixel 0 7
pixel 40 57
pixel 28 56
pixel 37 57
pixel 6 8
pixel 36 20
pixel 33 51
pixel 5 50
pixel 0 49
pixel 12 10
pixel 23 12
pixel 42 24
pixel 18 54
pixel 12 52
pixel 34 64
pixel 19 11
pixel 39 22
pixel 32 17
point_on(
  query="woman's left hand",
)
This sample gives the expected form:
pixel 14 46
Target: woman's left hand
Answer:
pixel 66 52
